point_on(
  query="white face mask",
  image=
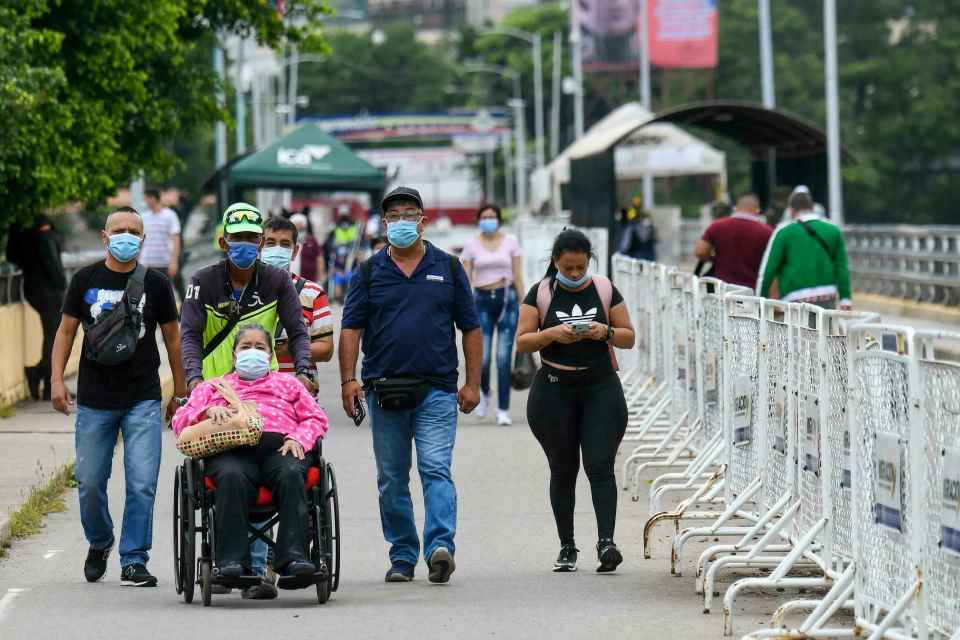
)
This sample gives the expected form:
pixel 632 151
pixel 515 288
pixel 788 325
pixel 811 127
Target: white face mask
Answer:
pixel 252 364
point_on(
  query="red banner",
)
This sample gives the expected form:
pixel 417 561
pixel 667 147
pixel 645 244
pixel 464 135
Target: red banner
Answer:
pixel 683 33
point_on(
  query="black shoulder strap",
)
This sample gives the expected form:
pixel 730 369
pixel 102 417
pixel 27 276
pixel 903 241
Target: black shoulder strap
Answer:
pixel 134 288
pixel 367 270
pixel 816 236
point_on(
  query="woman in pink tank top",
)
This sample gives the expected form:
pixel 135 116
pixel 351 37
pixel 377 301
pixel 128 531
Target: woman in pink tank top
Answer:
pixel 494 264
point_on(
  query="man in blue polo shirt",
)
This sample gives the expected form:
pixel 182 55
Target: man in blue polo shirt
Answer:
pixel 405 303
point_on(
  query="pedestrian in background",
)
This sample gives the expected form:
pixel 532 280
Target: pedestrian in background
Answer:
pixel 161 242
pixel 120 398
pixel 736 244
pixel 35 248
pixel 494 264
pixel 341 247
pixel 807 257
pixel 638 238
pixel 576 403
pixel 308 261
pixel 406 303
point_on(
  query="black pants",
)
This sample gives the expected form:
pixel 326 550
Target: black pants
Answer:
pixel 570 412
pixel 238 474
pixel 47 304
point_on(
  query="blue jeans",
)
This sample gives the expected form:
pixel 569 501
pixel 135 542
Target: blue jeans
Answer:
pixel 498 311
pixel 96 437
pixel 433 429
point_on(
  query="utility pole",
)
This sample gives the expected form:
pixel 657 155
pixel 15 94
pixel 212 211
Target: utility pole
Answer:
pixel 645 101
pixel 538 97
pixel 521 163
pixel 555 105
pixel 833 111
pixel 292 86
pixel 768 88
pixel 577 55
pixel 220 131
pixel 241 103
pixel 507 171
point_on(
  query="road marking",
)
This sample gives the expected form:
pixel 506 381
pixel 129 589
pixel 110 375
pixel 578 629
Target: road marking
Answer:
pixel 9 597
pixel 50 553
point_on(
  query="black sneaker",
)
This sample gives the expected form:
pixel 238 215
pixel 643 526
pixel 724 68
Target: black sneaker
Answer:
pixel 441 565
pixel 136 575
pixel 399 571
pixel 608 555
pixel 567 560
pixel 96 563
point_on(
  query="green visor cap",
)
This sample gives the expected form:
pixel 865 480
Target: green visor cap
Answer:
pixel 240 217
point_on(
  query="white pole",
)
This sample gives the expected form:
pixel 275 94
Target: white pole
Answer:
pixel 507 171
pixel 241 103
pixel 521 160
pixel 833 115
pixel 645 101
pixel 766 55
pixel 538 96
pixel 220 131
pixel 577 79
pixel 292 86
pixel 489 196
pixel 555 106
pixel 256 97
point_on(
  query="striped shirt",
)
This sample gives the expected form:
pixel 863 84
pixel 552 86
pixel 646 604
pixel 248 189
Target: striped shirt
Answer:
pixel 316 316
pixel 159 229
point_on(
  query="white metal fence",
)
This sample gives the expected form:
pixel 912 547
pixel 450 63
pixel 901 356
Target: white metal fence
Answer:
pixel 823 446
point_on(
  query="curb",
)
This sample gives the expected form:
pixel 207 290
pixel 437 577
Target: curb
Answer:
pixel 6 528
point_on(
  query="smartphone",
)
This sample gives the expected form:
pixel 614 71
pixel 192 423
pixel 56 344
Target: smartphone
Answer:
pixel 580 327
pixel 359 411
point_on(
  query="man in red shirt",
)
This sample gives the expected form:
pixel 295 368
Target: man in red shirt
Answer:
pixel 736 243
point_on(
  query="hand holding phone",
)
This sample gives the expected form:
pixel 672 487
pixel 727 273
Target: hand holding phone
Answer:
pixel 359 411
pixel 580 328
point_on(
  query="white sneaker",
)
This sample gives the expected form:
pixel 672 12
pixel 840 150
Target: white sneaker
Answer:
pixel 481 410
pixel 503 418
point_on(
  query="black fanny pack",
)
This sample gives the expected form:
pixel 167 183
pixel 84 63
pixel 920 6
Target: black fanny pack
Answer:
pixel 112 338
pixel 400 394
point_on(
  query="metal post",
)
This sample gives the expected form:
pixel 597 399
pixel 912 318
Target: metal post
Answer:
pixel 136 192
pixel 292 86
pixel 538 96
pixel 766 55
pixel 507 171
pixel 555 106
pixel 833 115
pixel 521 151
pixel 645 101
pixel 577 80
pixel 241 103
pixel 220 131
pixel 256 97
pixel 488 188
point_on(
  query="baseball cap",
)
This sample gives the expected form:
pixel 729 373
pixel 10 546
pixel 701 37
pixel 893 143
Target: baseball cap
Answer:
pixel 401 192
pixel 240 217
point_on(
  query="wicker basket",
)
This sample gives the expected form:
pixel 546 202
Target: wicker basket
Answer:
pixel 243 429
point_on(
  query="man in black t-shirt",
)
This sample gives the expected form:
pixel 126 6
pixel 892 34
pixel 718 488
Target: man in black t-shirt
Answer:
pixel 122 398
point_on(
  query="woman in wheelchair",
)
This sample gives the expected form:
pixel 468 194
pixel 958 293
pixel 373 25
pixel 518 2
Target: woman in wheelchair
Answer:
pixel 293 421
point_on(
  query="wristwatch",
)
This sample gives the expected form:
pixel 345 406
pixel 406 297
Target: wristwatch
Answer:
pixel 609 333
pixel 307 373
pixel 181 401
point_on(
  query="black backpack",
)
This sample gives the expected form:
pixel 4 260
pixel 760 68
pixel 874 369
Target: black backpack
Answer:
pixel 112 338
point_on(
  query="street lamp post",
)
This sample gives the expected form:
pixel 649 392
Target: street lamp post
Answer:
pixel 535 41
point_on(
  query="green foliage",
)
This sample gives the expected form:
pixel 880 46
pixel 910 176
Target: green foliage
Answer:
pixel 93 93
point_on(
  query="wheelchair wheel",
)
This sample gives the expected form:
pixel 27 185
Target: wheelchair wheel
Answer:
pixel 331 505
pixel 206 582
pixel 187 542
pixel 177 531
pixel 317 546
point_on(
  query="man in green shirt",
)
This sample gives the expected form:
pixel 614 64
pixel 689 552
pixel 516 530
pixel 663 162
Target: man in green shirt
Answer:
pixel 807 257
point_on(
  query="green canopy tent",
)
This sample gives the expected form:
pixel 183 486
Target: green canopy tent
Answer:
pixel 306 159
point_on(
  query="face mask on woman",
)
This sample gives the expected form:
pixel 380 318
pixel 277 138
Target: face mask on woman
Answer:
pixel 489 225
pixel 124 246
pixel 243 254
pixel 402 233
pixel 279 257
pixel 252 364
pixel 572 284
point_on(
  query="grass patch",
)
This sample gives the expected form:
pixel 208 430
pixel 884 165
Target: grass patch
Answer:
pixel 44 499
pixel 7 411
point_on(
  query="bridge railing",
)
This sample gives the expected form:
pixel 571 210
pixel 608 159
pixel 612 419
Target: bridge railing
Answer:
pixel 836 463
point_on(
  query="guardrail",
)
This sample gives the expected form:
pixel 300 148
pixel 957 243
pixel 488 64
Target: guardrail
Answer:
pixel 823 445
pixel 921 263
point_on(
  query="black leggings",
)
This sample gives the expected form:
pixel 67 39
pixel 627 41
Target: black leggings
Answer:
pixel 570 411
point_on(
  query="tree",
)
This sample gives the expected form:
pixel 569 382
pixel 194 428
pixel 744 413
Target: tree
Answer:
pixel 96 92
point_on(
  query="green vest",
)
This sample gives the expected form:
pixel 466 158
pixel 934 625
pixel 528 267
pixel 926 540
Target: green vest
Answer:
pixel 220 361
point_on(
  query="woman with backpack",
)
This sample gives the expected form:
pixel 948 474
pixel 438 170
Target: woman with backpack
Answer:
pixel 576 403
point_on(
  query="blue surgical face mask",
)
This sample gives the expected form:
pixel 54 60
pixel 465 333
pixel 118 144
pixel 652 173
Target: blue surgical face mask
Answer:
pixel 242 254
pixel 252 364
pixel 572 284
pixel 489 225
pixel 402 233
pixel 279 257
pixel 124 246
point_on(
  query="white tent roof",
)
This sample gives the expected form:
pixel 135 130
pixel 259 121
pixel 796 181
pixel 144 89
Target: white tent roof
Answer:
pixel 658 149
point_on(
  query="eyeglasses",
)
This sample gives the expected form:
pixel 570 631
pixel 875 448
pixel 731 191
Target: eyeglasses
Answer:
pixel 238 216
pixel 411 215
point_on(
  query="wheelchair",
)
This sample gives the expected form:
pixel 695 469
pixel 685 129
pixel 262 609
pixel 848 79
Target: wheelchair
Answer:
pixel 193 493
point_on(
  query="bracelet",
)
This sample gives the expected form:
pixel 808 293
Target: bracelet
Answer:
pixel 609 333
pixel 346 382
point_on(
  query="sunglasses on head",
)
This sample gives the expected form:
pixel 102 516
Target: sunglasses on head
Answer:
pixel 239 216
